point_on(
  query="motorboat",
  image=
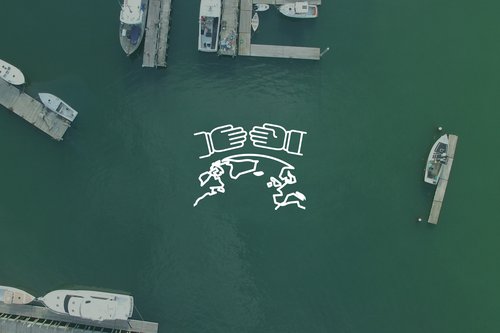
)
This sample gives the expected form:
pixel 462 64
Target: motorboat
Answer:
pixel 437 158
pixel 208 38
pixel 299 10
pixel 88 304
pixel 260 7
pixel 10 295
pixel 58 106
pixel 11 74
pixel 132 24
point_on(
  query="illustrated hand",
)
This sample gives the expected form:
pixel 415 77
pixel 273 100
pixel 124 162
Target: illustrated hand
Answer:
pixel 224 138
pixel 275 137
pixel 269 136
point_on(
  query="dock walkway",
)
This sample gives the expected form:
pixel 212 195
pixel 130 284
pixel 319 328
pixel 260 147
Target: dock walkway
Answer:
pixel 443 181
pixel 229 28
pixel 246 48
pixel 32 111
pixel 37 319
pixel 156 39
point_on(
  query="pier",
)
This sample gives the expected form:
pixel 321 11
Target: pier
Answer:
pixel 37 319
pixel 443 181
pixel 246 48
pixel 33 111
pixel 156 36
pixel 229 28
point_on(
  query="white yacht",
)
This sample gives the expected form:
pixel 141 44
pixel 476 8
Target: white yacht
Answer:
pixel 87 304
pixel 210 12
pixel 299 10
pixel 9 295
pixel 132 24
pixel 11 74
pixel 57 105
pixel 437 158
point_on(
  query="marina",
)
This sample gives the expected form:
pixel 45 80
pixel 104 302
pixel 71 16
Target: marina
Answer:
pixel 37 319
pixel 157 29
pixel 437 202
pixel 33 111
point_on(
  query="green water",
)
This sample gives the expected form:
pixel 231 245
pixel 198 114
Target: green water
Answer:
pixel 111 207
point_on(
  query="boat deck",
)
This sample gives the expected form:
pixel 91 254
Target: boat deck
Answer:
pixel 33 111
pixel 282 2
pixel 157 29
pixel 437 203
pixel 37 319
pixel 229 28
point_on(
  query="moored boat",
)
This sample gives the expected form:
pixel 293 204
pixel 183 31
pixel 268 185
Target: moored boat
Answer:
pixel 10 295
pixel 208 38
pixel 58 106
pixel 299 10
pixel 260 7
pixel 87 304
pixel 438 156
pixel 255 21
pixel 132 24
pixel 11 74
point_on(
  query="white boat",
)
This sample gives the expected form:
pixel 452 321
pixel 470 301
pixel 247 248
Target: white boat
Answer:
pixel 58 106
pixel 437 158
pixel 9 295
pixel 11 74
pixel 260 7
pixel 255 21
pixel 299 10
pixel 208 38
pixel 87 304
pixel 132 24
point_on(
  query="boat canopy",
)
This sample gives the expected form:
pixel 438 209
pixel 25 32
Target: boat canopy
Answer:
pixel 301 7
pixel 131 12
pixel 210 8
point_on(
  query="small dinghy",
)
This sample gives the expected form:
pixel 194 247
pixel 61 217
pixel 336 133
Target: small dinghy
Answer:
pixel 260 7
pixel 87 304
pixel 437 158
pixel 255 21
pixel 299 10
pixel 9 295
pixel 55 104
pixel 11 74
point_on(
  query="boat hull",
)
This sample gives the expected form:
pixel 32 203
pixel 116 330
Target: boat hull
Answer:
pixel 88 304
pixel 131 35
pixel 437 158
pixel 58 106
pixel 290 10
pixel 9 295
pixel 261 7
pixel 11 74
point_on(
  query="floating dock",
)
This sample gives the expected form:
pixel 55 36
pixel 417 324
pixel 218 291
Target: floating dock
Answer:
pixel 246 48
pixel 443 181
pixel 33 111
pixel 156 39
pixel 37 319
pixel 229 28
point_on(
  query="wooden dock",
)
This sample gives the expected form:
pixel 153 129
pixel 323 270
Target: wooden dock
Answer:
pixel 32 111
pixel 229 26
pixel 37 319
pixel 156 37
pixel 443 181
pixel 246 48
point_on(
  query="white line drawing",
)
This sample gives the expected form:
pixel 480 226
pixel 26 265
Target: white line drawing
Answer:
pixel 238 165
pixel 223 138
pixel 275 137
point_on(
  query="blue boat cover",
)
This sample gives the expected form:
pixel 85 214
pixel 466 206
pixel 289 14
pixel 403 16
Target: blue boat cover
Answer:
pixel 134 34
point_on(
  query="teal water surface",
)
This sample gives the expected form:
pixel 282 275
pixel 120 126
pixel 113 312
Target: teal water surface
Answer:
pixel 111 207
